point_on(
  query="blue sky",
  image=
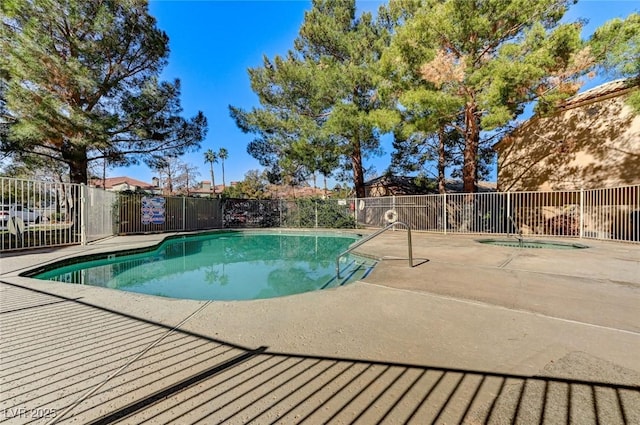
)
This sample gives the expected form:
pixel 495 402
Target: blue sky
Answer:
pixel 214 42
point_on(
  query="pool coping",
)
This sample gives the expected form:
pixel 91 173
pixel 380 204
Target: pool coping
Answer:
pixel 76 259
pixel 389 256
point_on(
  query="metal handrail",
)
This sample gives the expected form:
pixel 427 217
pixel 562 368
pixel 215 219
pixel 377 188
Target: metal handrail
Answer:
pixel 373 235
pixel 517 229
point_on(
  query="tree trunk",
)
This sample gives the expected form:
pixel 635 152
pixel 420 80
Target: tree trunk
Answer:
pixel 224 185
pixel 213 182
pixel 169 181
pixel 76 158
pixel 324 177
pixel 441 162
pixel 471 142
pixel 104 173
pixel 358 172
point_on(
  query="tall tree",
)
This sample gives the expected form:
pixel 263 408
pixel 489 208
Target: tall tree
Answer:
pixel 211 157
pixel 35 168
pixel 187 177
pixel 254 186
pixel 176 176
pixel 82 84
pixel 482 61
pixel 323 91
pixel 424 136
pixel 320 156
pixel 223 154
pixel 616 46
pixel 167 169
pixel 423 150
pixel 292 115
pixel 5 118
pixel 350 47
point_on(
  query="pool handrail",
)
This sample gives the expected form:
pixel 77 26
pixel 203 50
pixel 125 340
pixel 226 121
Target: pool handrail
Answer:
pixel 517 229
pixel 373 235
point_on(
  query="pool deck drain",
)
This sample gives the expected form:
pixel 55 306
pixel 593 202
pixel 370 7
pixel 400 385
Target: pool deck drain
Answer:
pixel 466 336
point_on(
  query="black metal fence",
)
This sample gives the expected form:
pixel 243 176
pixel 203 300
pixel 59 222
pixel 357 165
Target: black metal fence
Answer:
pixel 303 212
pixel 143 213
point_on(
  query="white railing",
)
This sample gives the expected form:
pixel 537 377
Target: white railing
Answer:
pixel 611 214
pixel 605 214
pixel 99 211
pixel 35 214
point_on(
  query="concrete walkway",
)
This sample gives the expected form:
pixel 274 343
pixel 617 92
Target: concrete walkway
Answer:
pixel 470 334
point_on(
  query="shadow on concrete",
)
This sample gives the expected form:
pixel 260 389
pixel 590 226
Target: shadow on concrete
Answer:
pixel 402 262
pixel 73 361
pixel 420 261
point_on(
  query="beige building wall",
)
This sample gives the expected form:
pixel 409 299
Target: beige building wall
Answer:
pixel 590 144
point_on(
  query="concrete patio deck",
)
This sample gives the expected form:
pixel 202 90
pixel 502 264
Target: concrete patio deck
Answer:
pixel 471 334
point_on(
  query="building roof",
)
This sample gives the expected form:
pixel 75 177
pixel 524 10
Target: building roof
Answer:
pixel 205 190
pixel 286 191
pixel 405 185
pixel 111 182
pixel 596 94
pixel 608 89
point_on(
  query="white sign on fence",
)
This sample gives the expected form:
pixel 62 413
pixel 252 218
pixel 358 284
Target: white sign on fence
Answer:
pixel 153 210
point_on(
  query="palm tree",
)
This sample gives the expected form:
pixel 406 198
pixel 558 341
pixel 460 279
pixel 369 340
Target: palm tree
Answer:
pixel 211 157
pixel 223 154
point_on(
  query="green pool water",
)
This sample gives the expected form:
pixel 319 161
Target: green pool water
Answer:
pixel 223 266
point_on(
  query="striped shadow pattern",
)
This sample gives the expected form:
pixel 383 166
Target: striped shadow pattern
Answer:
pixel 65 361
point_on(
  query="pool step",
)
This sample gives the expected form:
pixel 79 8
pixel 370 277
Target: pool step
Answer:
pixel 355 269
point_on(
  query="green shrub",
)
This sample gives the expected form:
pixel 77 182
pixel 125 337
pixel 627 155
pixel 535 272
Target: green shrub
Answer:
pixel 329 214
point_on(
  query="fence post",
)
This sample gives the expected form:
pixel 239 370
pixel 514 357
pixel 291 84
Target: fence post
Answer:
pixel 393 207
pixel 508 218
pixel 184 213
pixel 581 212
pixel 355 212
pixel 444 212
pixel 83 214
pixel 315 204
pixel 221 208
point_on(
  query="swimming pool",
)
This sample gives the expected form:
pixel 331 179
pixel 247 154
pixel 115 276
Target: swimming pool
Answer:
pixel 222 266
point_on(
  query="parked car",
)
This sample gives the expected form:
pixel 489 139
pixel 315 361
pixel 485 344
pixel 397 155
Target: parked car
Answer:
pixel 28 215
pixel 51 213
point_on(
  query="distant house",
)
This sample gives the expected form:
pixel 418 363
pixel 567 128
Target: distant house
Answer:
pixel 391 185
pixel 275 191
pixel 121 184
pixel 592 141
pixel 204 189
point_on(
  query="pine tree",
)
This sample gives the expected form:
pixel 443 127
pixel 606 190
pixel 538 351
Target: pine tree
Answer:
pixel 322 94
pixel 472 65
pixel 616 46
pixel 82 84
